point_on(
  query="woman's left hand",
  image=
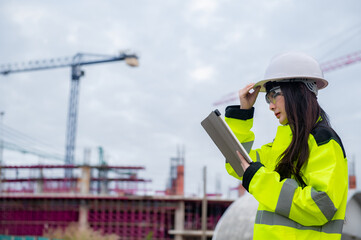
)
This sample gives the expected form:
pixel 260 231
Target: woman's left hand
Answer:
pixel 244 163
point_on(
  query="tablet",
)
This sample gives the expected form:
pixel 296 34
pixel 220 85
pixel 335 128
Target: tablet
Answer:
pixel 225 140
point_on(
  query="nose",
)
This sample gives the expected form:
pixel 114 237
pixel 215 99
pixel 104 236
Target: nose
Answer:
pixel 272 106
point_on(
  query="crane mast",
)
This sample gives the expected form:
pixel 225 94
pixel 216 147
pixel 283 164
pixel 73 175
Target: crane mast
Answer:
pixel 75 62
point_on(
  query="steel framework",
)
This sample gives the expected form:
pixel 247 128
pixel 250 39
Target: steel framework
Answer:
pixel 131 218
pixel 124 182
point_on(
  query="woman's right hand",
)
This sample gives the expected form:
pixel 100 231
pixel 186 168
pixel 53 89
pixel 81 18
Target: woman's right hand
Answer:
pixel 246 98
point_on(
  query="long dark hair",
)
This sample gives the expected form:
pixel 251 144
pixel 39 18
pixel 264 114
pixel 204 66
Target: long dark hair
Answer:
pixel 303 114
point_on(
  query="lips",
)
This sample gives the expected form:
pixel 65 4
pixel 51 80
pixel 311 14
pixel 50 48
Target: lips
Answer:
pixel 277 115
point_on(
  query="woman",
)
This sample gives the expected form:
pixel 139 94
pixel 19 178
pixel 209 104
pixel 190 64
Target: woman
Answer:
pixel 300 179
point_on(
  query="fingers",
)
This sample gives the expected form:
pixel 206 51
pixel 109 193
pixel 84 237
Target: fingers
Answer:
pixel 246 89
pixel 247 98
pixel 256 92
pixel 257 89
pixel 244 163
pixel 249 86
pixel 240 156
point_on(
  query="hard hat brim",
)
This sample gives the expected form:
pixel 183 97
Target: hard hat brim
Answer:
pixel 320 82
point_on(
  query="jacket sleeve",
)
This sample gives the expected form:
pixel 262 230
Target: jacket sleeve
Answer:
pixel 314 205
pixel 241 121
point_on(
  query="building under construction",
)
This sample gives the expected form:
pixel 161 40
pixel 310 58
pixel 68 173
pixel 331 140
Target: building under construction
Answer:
pixel 34 205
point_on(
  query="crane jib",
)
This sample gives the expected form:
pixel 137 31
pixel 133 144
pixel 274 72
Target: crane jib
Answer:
pixel 75 62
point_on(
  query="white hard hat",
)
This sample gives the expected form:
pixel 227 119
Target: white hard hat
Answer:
pixel 293 66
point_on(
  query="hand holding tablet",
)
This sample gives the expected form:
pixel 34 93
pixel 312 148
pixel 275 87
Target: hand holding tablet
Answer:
pixel 226 141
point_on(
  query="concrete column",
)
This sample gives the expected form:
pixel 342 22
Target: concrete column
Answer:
pixel 85 180
pixel 179 219
pixel 104 181
pixel 39 188
pixel 1 184
pixel 83 215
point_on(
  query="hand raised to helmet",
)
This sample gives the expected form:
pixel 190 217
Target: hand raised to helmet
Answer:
pixel 246 98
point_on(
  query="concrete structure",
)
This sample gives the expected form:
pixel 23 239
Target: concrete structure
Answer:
pixel 31 206
pixel 352 225
pixel 131 217
pixel 237 222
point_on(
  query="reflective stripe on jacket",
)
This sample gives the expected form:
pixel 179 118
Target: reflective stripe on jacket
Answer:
pixel 286 210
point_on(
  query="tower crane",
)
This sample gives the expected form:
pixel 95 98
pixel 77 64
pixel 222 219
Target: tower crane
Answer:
pixel 325 66
pixel 76 62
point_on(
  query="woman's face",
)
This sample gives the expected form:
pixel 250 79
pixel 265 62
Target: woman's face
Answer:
pixel 276 102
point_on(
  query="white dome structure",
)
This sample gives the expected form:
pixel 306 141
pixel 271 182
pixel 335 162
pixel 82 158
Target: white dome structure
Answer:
pixel 351 227
pixel 238 220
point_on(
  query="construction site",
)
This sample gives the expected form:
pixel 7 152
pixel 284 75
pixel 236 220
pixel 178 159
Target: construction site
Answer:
pixel 113 200
pixel 142 107
pixel 42 198
pixel 34 205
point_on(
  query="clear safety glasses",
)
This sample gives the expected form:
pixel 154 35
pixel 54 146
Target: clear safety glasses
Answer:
pixel 273 94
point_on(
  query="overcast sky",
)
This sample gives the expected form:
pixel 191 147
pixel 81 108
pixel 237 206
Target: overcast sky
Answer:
pixel 192 54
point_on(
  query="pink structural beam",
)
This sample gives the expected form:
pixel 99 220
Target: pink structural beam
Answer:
pixel 71 166
pixel 5 180
pixel 341 61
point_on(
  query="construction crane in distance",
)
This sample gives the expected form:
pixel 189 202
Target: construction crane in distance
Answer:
pixel 76 62
pixel 325 66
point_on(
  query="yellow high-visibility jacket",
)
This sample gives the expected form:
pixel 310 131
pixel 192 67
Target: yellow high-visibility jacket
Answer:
pixel 286 210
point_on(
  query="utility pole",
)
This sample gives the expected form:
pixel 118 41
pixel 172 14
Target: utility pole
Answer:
pixel 1 147
pixel 204 205
pixel 1 138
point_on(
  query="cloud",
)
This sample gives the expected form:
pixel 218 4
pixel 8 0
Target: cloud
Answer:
pixel 201 74
pixel 203 6
pixel 202 13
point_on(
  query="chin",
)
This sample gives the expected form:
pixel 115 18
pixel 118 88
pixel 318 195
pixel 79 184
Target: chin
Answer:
pixel 284 122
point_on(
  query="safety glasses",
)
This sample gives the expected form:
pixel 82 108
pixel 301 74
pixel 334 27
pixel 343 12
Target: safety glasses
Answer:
pixel 273 94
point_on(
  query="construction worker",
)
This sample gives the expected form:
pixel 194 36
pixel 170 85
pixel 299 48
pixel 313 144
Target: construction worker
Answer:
pixel 300 179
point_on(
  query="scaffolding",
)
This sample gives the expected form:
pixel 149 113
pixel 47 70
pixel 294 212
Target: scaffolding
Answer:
pixel 175 185
pixel 44 179
pixel 131 218
pixel 43 202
